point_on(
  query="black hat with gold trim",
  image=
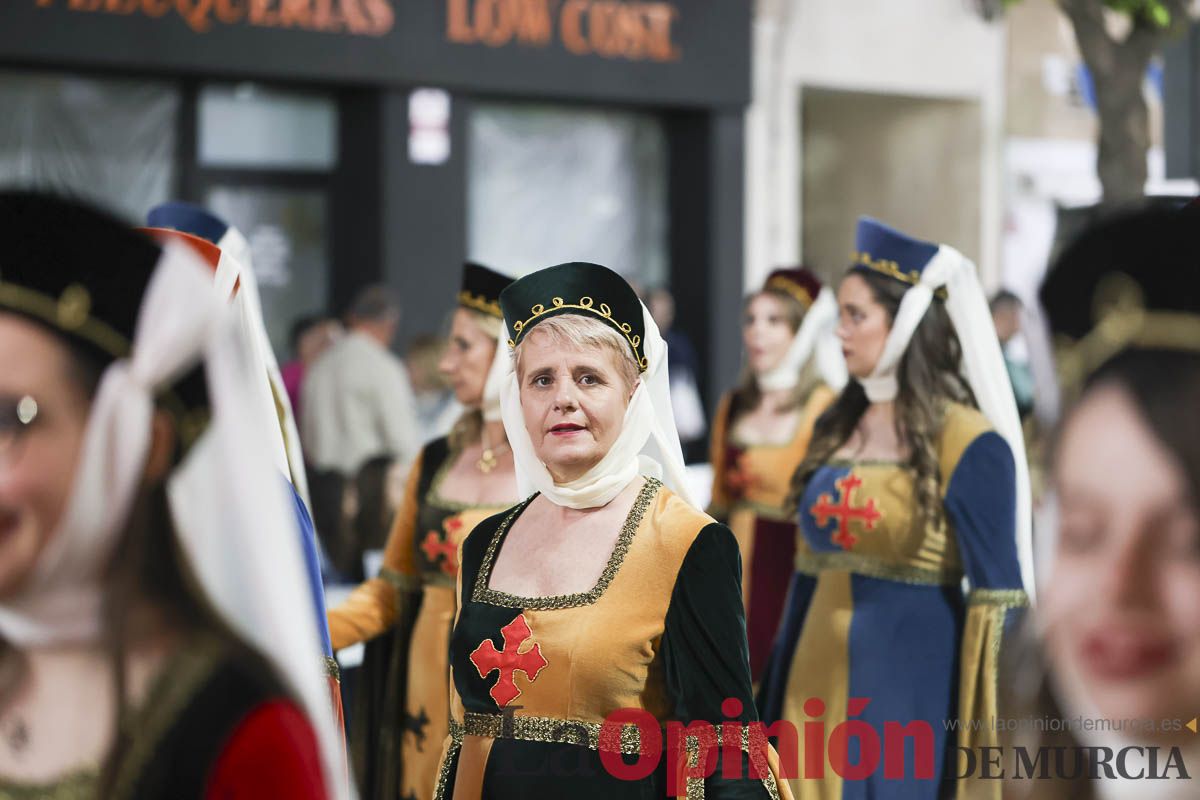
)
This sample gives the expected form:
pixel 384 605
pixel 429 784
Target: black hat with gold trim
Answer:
pixel 1129 283
pixel 481 288
pixel 588 290
pixel 75 269
pixel 83 273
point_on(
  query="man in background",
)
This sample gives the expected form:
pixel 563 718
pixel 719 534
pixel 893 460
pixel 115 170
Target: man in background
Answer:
pixel 357 400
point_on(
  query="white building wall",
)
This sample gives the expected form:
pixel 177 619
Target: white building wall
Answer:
pixel 927 48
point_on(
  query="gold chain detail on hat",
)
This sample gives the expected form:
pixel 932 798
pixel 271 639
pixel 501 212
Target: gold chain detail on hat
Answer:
pixel 585 304
pixel 71 312
pixel 480 303
pixel 889 268
pixel 797 291
pixel 1122 321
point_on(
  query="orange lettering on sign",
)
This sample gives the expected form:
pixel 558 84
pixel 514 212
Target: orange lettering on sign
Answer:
pixel 155 8
pixel 381 15
pixel 231 11
pixel 261 13
pixel 195 13
pixel 458 23
pixel 533 25
pixel 571 24
pixel 295 12
pixel 120 6
pixel 660 16
pixel 84 5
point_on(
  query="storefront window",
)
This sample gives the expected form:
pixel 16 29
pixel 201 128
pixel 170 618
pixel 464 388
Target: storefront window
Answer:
pixel 111 141
pixel 252 126
pixel 551 184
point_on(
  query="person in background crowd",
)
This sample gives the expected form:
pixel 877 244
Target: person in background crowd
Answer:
pixel 357 399
pixel 684 366
pixel 914 479
pixel 1006 316
pixel 1115 638
pixel 148 563
pixel 406 613
pixel 605 589
pixel 310 337
pixel 437 409
pixel 760 435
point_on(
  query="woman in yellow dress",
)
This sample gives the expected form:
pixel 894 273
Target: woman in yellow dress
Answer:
pixel 604 592
pixel 400 710
pixel 915 479
pixel 760 436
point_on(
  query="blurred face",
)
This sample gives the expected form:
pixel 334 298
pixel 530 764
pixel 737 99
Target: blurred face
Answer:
pixel 318 339
pixel 467 359
pixel 1122 607
pixel 766 332
pixel 1007 319
pixel 573 401
pixel 863 325
pixel 37 460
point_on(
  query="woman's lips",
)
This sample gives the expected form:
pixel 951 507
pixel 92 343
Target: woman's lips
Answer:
pixel 566 429
pixel 1125 654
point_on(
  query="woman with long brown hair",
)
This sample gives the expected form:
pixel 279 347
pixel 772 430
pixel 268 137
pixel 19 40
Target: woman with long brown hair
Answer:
pixel 406 613
pixel 907 487
pixel 1115 639
pixel 149 570
pixel 761 433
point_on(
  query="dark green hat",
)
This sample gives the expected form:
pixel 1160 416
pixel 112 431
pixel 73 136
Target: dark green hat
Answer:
pixel 481 288
pixel 589 290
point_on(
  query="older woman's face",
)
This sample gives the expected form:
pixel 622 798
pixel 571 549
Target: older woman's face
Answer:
pixel 573 401
pixel 863 325
pixel 467 359
pixel 1122 603
pixel 37 461
pixel 766 331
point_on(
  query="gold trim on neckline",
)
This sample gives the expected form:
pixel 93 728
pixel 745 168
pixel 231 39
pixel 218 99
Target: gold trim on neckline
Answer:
pixel 485 594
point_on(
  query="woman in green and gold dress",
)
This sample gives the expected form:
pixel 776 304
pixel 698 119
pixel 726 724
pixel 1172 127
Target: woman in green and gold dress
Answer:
pixel 908 487
pixel 405 614
pixel 761 433
pixel 606 590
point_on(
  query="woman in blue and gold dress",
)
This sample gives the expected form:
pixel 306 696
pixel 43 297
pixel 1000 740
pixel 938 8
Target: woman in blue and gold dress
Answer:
pixel 406 612
pixel 604 591
pixel 907 488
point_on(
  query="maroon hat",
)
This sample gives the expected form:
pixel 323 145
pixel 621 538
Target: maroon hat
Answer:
pixel 800 282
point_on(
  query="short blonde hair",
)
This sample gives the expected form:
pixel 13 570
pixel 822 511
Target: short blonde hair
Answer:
pixel 585 333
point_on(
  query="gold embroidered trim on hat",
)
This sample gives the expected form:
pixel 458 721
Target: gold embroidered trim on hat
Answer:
pixel 585 304
pixel 484 594
pixel 70 313
pixel 885 266
pixel 815 563
pixel 480 303
pixel 1122 321
pixel 800 293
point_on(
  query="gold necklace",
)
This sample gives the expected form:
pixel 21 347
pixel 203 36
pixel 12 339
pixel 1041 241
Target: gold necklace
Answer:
pixel 488 461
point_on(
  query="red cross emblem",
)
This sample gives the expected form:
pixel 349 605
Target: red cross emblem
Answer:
pixel 437 550
pixel 509 660
pixel 824 510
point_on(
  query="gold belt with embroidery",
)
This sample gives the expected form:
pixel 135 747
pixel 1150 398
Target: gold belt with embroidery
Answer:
pixel 540 729
pixel 816 563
